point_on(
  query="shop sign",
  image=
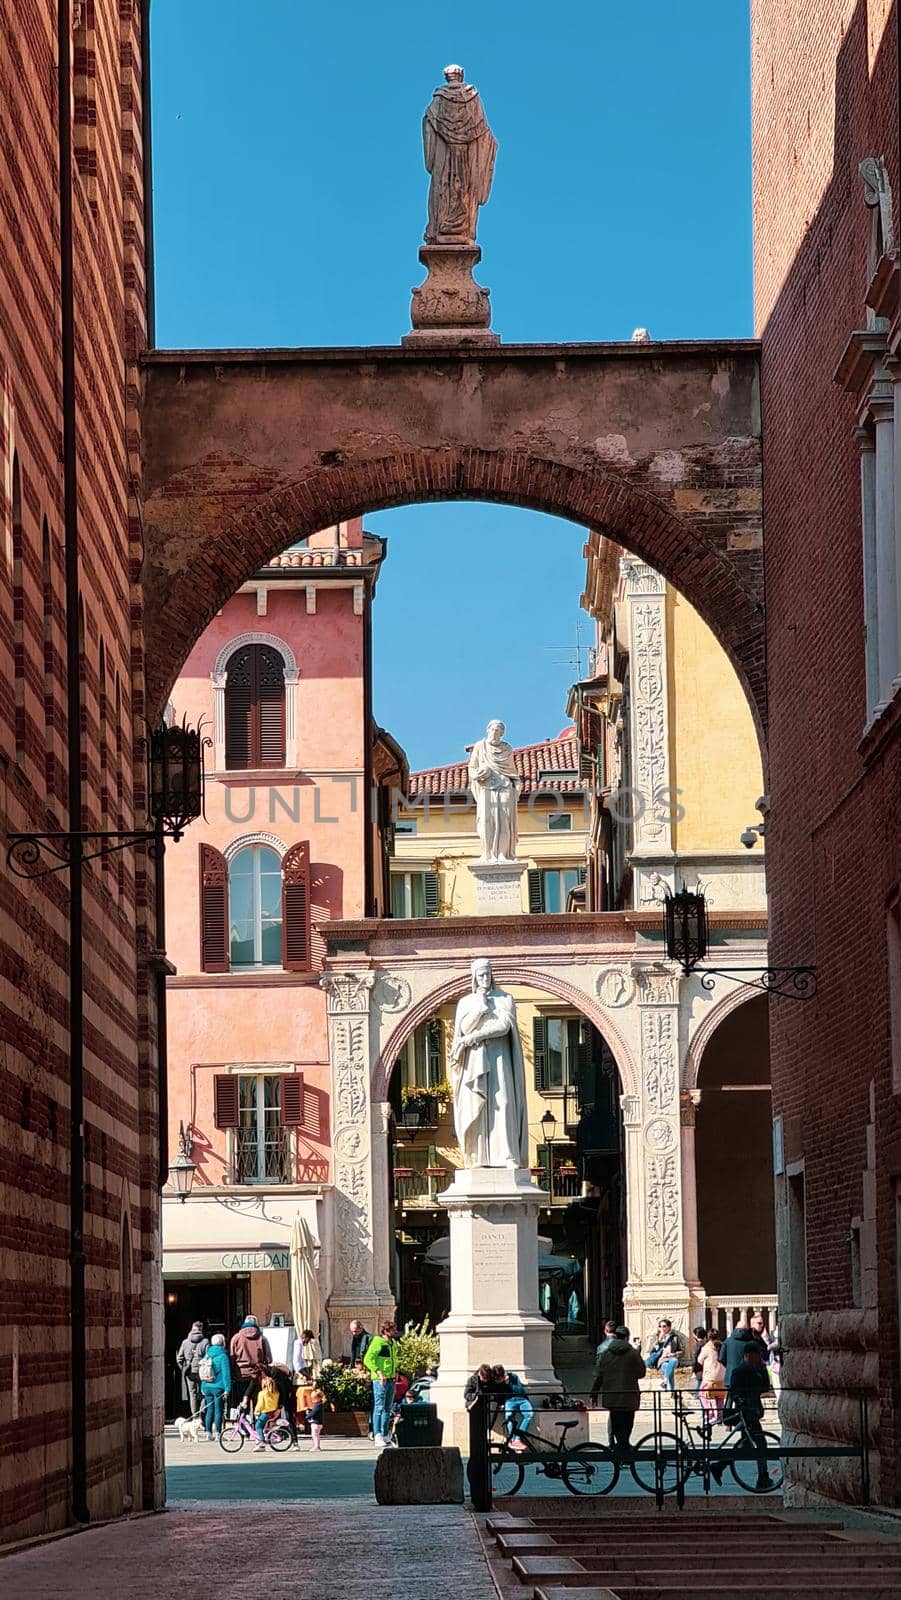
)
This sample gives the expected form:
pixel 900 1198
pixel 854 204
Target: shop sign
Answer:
pixel 256 1261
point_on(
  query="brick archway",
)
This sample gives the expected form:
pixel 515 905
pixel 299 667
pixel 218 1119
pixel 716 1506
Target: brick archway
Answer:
pixel 657 446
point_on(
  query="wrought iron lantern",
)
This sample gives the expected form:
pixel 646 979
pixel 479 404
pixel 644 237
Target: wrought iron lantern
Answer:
pixel 175 781
pixel 549 1126
pixel 686 934
pixel 686 928
pixel 176 777
pixel 182 1169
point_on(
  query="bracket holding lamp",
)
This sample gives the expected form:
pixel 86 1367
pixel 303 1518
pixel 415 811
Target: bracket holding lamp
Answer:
pixel 687 942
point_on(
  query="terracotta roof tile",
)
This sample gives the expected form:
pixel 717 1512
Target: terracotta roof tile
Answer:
pixel 553 764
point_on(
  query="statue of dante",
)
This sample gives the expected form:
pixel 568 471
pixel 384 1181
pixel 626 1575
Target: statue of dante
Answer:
pixel 488 1076
pixel 495 785
pixel 459 152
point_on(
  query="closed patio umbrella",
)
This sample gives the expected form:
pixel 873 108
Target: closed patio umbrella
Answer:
pixel 305 1304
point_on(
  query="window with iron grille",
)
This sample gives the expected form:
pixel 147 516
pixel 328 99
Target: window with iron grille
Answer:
pixel 255 708
pixel 263 1145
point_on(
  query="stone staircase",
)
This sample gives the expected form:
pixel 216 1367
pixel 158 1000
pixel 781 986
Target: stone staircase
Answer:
pixel 691 1556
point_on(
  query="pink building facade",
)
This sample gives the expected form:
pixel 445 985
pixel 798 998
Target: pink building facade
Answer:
pixel 291 841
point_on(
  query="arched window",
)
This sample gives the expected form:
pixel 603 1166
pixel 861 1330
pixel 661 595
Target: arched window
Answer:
pixel 255 907
pixel 255 708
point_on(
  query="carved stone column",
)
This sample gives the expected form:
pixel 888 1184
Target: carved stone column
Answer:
pixel 650 802
pixel 689 1100
pixel 657 1283
pixel 361 1275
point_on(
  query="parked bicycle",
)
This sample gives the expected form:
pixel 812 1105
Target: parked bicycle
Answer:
pixel 587 1469
pixel 696 1454
pixel 232 1437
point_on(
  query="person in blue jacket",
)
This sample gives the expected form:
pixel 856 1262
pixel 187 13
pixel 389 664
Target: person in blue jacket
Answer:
pixel 215 1385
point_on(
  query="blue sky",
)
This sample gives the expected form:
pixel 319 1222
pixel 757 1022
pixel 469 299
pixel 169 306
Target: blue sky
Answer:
pixel 289 203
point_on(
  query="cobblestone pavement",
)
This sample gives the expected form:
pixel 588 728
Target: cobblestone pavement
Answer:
pixel 344 1550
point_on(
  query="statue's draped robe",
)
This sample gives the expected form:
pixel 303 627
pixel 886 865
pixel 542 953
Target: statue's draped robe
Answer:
pixel 459 150
pixel 490 1089
pixel 495 798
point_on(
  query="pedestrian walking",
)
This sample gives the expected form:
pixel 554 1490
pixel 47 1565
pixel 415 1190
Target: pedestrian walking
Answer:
pixel 748 1384
pixel 712 1393
pixel 359 1342
pixel 733 1349
pixel 380 1362
pixel 215 1385
pixel 668 1353
pixel 188 1357
pixel 617 1380
pixel 250 1352
pixel 609 1336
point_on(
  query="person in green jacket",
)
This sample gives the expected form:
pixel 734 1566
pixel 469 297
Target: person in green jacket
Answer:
pixel 380 1361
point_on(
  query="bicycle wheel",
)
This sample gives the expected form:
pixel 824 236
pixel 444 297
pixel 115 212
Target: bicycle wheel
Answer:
pixel 231 1439
pixel 507 1475
pixel 745 1470
pixel 589 1469
pixel 279 1437
pixel 644 1471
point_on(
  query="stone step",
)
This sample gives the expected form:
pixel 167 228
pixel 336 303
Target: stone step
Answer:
pixel 711 1543
pixel 808 1570
pixel 654 1522
pixel 874 1589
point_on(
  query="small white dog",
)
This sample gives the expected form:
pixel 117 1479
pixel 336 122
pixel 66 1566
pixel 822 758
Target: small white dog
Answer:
pixel 190 1429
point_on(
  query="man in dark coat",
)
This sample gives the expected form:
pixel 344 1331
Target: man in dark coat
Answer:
pixel 616 1379
pixel 359 1341
pixel 190 1353
pixel 733 1349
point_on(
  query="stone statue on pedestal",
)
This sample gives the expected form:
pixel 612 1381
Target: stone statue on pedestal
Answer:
pixel 488 1076
pixel 495 785
pixel 459 150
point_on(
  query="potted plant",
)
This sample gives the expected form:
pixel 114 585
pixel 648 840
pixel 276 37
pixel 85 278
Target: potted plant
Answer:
pixel 418 1108
pixel 349 1399
pixel 417 1349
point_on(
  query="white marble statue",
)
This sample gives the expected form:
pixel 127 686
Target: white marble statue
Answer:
pixel 459 150
pixel 495 785
pixel 488 1076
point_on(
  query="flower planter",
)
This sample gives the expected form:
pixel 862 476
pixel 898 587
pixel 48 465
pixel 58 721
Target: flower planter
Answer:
pixel 347 1424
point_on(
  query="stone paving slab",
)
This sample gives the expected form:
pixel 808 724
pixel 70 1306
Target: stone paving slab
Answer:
pixel 341 1552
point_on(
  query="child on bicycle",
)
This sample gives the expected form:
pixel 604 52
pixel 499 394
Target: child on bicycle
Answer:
pixel 267 1407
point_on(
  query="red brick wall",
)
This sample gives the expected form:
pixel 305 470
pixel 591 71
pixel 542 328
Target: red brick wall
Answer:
pixel 35 1447
pixel 825 95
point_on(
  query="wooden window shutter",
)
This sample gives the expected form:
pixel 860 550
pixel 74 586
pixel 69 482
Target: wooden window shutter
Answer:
pixel 536 890
pixel 539 1051
pixel 270 731
pixel 225 1101
pixel 292 1101
pixel 239 710
pixel 214 954
pixel 255 709
pixel 434 1046
pixel 296 950
pixel 431 893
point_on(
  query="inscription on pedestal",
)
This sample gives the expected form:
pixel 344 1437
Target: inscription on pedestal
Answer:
pixel 498 887
pixel 494 1266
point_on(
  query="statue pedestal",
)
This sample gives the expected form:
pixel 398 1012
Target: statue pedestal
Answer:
pixel 498 887
pixel 494 1317
pixel 450 307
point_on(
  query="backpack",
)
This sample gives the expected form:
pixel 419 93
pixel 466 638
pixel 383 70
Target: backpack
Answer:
pixel 206 1370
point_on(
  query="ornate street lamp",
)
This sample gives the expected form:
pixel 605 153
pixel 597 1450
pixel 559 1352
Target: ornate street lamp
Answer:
pixel 182 1169
pixel 549 1129
pixel 685 929
pixel 685 915
pixel 175 780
